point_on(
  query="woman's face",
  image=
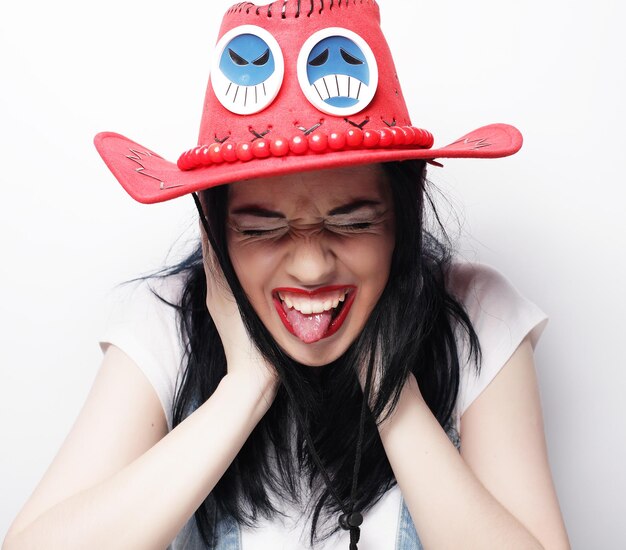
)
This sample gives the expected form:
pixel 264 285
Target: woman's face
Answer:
pixel 312 252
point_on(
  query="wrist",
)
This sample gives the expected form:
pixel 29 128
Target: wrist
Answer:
pixel 410 401
pixel 258 391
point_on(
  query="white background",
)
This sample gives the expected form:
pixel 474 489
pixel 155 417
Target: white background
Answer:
pixel 551 218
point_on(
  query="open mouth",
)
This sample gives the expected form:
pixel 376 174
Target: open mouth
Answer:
pixel 312 316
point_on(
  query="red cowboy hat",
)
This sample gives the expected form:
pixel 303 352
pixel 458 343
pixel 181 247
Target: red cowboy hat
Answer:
pixel 295 85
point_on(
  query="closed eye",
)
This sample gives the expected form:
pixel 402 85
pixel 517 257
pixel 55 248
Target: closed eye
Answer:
pixel 263 59
pixel 260 232
pixel 237 59
pixel 348 58
pixel 348 227
pixel 320 59
pixel 358 226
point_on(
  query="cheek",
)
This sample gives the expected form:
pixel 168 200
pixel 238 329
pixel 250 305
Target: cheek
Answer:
pixel 254 266
pixel 369 258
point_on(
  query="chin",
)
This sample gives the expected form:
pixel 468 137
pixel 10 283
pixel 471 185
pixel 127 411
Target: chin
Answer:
pixel 318 354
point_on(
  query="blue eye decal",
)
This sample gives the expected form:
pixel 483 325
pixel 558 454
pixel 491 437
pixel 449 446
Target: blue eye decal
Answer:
pixel 337 72
pixel 247 60
pixel 248 70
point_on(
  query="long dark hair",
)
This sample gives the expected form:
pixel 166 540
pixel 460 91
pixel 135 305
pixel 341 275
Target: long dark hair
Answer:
pixel 413 328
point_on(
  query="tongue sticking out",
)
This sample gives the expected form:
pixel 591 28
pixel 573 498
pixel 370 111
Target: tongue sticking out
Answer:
pixel 309 328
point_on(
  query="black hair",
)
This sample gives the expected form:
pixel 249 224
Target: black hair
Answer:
pixel 414 327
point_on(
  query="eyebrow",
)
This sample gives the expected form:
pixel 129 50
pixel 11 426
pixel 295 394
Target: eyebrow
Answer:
pixel 352 206
pixel 254 210
pixel 260 212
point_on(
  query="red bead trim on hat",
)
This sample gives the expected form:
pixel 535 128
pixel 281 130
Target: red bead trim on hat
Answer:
pixel 317 142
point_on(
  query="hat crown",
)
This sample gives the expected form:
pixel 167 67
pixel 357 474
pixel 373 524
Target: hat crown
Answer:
pixel 288 105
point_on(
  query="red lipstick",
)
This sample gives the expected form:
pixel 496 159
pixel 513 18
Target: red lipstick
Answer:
pixel 335 324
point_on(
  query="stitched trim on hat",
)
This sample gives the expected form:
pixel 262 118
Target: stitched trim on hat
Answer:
pixel 248 6
pixel 359 125
pixel 307 131
pixel 258 135
pixel 318 141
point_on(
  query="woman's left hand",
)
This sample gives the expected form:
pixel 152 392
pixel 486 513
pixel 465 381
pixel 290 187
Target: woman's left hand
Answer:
pixel 410 385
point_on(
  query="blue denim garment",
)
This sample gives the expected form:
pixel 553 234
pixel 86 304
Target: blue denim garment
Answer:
pixel 229 533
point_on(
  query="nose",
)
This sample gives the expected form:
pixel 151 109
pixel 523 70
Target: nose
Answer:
pixel 311 261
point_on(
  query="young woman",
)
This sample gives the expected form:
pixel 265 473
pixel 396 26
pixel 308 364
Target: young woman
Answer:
pixel 307 375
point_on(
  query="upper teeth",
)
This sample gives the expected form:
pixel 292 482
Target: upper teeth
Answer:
pixel 308 305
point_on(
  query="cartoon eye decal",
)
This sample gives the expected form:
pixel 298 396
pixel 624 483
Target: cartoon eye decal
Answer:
pixel 248 70
pixel 320 59
pixel 337 71
pixel 263 59
pixel 237 59
pixel 350 58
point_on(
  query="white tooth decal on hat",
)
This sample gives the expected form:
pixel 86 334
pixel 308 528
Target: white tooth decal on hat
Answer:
pixel 248 70
pixel 340 87
pixel 337 72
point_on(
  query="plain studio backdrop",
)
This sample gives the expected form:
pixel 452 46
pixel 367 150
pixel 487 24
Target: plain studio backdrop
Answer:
pixel 551 218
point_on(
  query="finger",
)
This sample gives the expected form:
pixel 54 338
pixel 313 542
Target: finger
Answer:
pixel 211 263
pixel 216 280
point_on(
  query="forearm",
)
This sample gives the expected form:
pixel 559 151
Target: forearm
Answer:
pixel 145 504
pixel 449 506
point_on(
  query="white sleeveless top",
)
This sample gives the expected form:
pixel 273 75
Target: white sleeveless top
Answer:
pixel 147 331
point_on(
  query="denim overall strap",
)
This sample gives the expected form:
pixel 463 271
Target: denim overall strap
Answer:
pixel 226 529
pixel 407 537
pixel 228 534
pixel 188 538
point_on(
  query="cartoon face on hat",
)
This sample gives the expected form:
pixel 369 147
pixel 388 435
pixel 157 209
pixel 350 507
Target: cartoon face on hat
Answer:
pixel 247 60
pixel 248 70
pixel 337 71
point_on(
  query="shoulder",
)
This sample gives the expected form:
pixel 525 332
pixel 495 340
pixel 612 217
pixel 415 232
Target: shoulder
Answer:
pixel 473 283
pixel 495 306
pixel 501 316
pixel 143 322
pixel 146 306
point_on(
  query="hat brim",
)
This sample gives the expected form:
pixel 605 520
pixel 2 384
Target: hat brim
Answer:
pixel 148 178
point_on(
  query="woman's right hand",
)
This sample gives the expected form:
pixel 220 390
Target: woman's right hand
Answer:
pixel 242 357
